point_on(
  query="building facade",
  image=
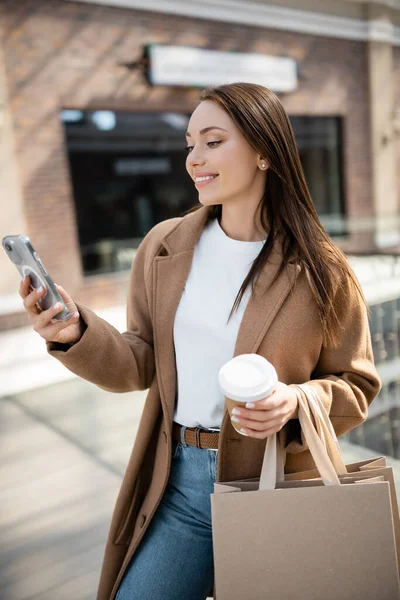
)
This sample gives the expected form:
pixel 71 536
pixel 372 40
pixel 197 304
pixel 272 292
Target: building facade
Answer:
pixel 92 152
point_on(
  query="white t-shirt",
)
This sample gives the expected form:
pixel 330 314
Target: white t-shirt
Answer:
pixel 203 339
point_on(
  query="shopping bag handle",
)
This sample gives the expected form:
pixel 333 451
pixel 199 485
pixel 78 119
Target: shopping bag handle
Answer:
pixel 274 450
pixel 325 428
pixel 273 469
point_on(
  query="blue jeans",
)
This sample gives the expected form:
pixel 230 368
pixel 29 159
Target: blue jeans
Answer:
pixel 174 561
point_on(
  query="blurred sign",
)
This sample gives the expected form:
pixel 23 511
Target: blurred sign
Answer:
pixel 185 66
pixel 142 166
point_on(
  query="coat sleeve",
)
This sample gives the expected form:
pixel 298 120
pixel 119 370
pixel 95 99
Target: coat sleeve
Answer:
pixel 345 377
pixel 111 360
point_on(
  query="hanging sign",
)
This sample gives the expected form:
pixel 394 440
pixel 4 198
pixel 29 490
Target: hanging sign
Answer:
pixel 198 67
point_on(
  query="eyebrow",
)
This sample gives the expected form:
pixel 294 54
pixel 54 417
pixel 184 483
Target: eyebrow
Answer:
pixel 206 129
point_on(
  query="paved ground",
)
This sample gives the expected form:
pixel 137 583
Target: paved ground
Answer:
pixel 63 451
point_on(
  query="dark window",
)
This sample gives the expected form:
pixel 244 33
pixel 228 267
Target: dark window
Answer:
pixel 128 174
pixel 319 141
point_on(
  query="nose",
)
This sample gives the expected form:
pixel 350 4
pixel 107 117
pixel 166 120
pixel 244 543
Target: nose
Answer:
pixel 194 159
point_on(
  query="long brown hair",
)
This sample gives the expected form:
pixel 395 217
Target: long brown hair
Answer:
pixel 287 208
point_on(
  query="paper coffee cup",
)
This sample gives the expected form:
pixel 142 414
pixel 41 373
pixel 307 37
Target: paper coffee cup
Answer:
pixel 246 378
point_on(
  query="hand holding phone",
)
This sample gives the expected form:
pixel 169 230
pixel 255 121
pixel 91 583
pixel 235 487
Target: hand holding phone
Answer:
pixel 44 321
pixel 50 308
pixel 24 257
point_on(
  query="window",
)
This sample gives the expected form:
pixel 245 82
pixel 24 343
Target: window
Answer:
pixel 319 141
pixel 128 174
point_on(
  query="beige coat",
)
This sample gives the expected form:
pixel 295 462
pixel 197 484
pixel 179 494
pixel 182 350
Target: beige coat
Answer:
pixel 281 324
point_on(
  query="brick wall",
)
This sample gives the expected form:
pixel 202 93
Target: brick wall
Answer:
pixel 63 54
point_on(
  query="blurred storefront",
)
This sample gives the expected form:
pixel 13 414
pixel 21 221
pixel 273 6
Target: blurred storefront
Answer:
pixel 96 98
pixel 127 171
pixel 94 103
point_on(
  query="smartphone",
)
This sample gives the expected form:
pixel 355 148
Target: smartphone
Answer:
pixel 21 252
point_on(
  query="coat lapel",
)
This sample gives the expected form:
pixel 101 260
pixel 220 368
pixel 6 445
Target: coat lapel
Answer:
pixel 170 275
pixel 264 305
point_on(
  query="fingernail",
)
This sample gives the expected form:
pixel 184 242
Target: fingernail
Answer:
pixel 250 405
pixel 235 419
pixel 40 289
pixel 236 411
pixel 57 305
pixel 75 314
pixel 243 432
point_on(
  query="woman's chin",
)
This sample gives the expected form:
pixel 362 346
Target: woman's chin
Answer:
pixel 208 201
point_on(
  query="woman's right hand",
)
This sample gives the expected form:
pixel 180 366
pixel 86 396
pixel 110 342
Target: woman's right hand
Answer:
pixel 51 330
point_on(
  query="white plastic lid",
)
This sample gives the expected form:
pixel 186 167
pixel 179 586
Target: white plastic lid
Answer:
pixel 247 378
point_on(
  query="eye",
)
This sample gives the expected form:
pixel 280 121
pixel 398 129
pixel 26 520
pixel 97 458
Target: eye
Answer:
pixel 209 144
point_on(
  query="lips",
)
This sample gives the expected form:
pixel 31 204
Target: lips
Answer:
pixel 203 180
pixel 203 175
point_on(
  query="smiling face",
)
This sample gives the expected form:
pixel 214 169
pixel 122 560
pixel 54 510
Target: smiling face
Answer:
pixel 225 168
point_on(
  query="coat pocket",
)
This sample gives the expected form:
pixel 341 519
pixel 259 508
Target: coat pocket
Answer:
pixel 124 532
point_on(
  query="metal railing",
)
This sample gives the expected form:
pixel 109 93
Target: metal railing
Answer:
pixel 380 278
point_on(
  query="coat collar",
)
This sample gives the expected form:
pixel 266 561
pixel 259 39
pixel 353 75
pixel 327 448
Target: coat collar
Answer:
pixel 186 233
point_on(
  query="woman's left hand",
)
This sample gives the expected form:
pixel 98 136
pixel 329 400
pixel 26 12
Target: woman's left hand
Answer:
pixel 269 415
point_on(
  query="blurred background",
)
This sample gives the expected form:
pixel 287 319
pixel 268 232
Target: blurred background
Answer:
pixel 95 98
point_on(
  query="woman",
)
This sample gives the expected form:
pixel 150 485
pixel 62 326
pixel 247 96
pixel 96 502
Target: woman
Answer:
pixel 299 305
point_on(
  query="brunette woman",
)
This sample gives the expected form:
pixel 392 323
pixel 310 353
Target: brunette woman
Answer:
pixel 251 270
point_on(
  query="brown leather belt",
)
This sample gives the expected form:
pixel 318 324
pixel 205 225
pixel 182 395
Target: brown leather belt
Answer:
pixel 196 436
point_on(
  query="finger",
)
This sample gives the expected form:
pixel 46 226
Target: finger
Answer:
pixel 51 332
pixel 75 314
pixel 270 403
pixel 46 316
pixel 24 287
pixel 64 294
pixel 32 298
pixel 261 425
pixel 70 304
pixel 261 435
pixel 260 415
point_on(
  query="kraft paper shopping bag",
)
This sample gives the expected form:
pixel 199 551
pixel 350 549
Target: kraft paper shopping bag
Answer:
pixel 329 538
